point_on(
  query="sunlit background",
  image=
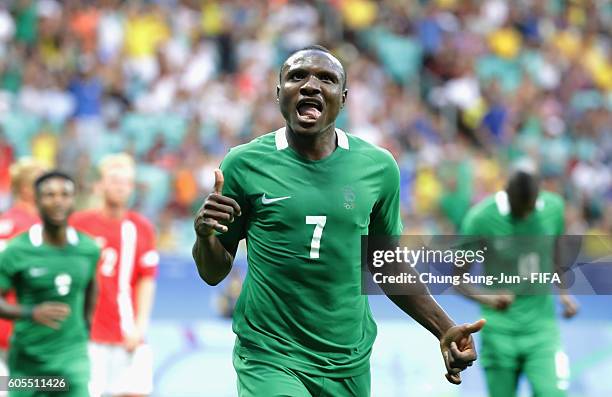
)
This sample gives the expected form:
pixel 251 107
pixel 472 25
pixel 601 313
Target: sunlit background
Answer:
pixel 456 90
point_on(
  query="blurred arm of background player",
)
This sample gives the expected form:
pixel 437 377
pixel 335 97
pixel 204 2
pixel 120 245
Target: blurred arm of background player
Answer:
pixel 497 299
pixel 213 261
pixel 50 314
pixel 569 303
pixel 91 296
pixel 145 293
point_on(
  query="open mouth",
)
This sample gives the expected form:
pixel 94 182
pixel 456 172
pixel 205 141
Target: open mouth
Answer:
pixel 309 110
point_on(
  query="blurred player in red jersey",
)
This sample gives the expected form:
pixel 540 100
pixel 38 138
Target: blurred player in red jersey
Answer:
pixel 15 220
pixel 121 363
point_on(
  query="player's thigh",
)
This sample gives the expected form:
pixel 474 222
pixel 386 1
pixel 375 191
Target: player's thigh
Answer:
pixel 499 350
pixel 117 372
pixel 547 368
pixel 71 369
pixel 501 359
pixel 355 386
pixel 99 358
pixel 76 371
pixel 134 372
pixel 502 382
pixel 256 379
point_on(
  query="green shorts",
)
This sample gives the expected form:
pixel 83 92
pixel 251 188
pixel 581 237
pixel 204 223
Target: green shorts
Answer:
pixel 257 378
pixel 537 355
pixel 74 369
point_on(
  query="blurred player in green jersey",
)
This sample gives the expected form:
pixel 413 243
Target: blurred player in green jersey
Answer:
pixel 302 197
pixel 520 227
pixel 51 267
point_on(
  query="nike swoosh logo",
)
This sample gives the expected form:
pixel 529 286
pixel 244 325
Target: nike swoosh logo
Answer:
pixel 266 201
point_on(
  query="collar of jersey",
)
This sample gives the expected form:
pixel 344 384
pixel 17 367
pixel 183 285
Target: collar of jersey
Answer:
pixel 283 144
pixel 36 235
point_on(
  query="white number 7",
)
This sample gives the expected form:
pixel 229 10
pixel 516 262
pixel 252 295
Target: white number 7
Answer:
pixel 315 244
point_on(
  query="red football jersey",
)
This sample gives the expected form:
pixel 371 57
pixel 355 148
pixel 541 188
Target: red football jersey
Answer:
pixel 128 253
pixel 13 222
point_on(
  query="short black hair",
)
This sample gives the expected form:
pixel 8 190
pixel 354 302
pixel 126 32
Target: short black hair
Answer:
pixel 314 47
pixel 51 174
pixel 524 184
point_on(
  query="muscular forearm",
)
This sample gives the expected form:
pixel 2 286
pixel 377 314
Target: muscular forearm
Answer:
pixel 425 310
pixel 213 261
pixel 473 292
pixel 416 301
pixel 145 292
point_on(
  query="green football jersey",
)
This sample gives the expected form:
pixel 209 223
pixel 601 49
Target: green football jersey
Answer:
pixel 40 272
pixel 301 305
pixel 519 247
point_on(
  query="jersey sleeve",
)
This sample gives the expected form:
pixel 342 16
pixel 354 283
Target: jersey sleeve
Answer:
pixel 561 215
pixel 469 225
pixel 234 180
pixel 148 258
pixel 7 269
pixel 385 219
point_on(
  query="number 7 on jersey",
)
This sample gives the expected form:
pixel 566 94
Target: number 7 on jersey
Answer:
pixel 315 243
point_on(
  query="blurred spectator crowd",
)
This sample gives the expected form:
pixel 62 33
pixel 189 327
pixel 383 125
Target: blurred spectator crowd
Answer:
pixel 456 90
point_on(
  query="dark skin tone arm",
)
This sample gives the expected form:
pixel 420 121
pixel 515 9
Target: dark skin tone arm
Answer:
pixel 569 303
pixel 50 314
pixel 317 79
pixel 214 263
pixel 496 299
pixel 212 259
pixel 456 343
pixel 91 296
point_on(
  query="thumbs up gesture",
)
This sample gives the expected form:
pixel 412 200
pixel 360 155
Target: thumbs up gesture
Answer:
pixel 217 212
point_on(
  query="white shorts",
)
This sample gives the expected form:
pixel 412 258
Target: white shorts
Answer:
pixel 3 369
pixel 114 371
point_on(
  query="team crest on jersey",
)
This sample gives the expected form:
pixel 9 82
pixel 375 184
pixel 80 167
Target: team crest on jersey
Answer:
pixel 349 197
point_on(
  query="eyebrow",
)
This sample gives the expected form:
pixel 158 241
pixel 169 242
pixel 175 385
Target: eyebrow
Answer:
pixel 339 74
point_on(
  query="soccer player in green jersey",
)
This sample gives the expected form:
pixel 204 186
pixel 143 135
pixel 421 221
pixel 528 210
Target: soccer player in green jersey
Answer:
pixel 520 227
pixel 51 267
pixel 302 197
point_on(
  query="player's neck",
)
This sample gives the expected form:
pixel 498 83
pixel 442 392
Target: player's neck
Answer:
pixel 313 146
pixel 26 206
pixel 55 235
pixel 114 211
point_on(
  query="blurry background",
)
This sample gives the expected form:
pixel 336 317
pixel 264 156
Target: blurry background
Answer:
pixel 456 90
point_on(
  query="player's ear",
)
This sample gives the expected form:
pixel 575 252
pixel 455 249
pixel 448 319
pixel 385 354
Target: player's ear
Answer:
pixel 344 95
pixel 277 93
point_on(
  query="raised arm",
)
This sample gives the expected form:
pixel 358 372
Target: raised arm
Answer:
pixel 212 259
